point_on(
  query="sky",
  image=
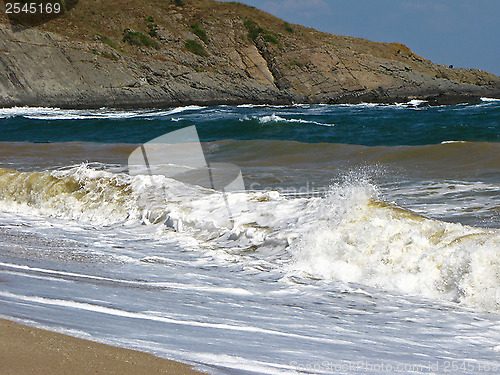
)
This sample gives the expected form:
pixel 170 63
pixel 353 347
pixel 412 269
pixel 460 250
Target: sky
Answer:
pixel 462 33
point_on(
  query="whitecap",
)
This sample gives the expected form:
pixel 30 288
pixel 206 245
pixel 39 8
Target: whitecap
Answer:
pixel 276 118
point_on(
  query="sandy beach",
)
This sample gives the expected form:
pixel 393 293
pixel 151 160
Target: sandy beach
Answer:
pixel 27 350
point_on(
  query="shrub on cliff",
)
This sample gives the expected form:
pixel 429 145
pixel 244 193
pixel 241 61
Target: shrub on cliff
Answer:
pixel 254 31
pixel 139 39
pixel 108 41
pixel 288 27
pixel 195 47
pixel 153 29
pixel 199 32
pixel 152 26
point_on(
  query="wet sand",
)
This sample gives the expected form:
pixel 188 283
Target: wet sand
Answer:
pixel 27 350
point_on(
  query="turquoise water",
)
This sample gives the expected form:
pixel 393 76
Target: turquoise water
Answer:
pixel 366 236
pixel 369 125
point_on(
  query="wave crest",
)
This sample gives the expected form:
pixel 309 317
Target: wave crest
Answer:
pixel 371 242
pixel 350 235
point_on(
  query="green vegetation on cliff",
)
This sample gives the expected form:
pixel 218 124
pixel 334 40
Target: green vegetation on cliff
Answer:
pixel 204 51
pixel 139 39
pixel 199 32
pixel 195 47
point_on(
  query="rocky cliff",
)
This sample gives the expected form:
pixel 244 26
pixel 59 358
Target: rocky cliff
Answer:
pixel 152 53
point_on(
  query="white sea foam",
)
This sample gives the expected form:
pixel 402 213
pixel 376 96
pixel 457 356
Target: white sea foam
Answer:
pixel 271 118
pixel 22 111
pixel 358 239
pixel 361 105
pixel 151 317
pixel 48 113
pixel 416 102
pixel 251 105
pixel 490 100
pixel 348 236
pixel 276 118
pixel 268 106
pixel 43 273
pixel 277 276
pixel 79 193
pixel 180 109
pixel 412 104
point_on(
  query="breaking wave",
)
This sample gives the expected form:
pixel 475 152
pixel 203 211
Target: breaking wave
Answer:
pixel 360 239
pixel 350 235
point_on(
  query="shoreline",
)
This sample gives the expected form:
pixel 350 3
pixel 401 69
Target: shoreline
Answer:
pixel 26 350
pixel 72 63
pixel 426 101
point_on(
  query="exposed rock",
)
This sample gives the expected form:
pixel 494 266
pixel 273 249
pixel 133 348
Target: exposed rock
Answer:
pixel 72 63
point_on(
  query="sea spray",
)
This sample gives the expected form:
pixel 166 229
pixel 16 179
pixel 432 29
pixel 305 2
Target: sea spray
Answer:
pixel 358 238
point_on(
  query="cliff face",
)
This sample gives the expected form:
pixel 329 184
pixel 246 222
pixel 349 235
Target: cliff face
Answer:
pixel 152 53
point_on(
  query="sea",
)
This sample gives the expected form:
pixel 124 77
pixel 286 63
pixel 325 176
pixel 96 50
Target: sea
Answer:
pixel 347 239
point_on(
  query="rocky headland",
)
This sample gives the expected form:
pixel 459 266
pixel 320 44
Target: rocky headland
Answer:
pixel 163 53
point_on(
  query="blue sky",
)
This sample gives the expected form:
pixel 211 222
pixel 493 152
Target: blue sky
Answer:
pixel 463 33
